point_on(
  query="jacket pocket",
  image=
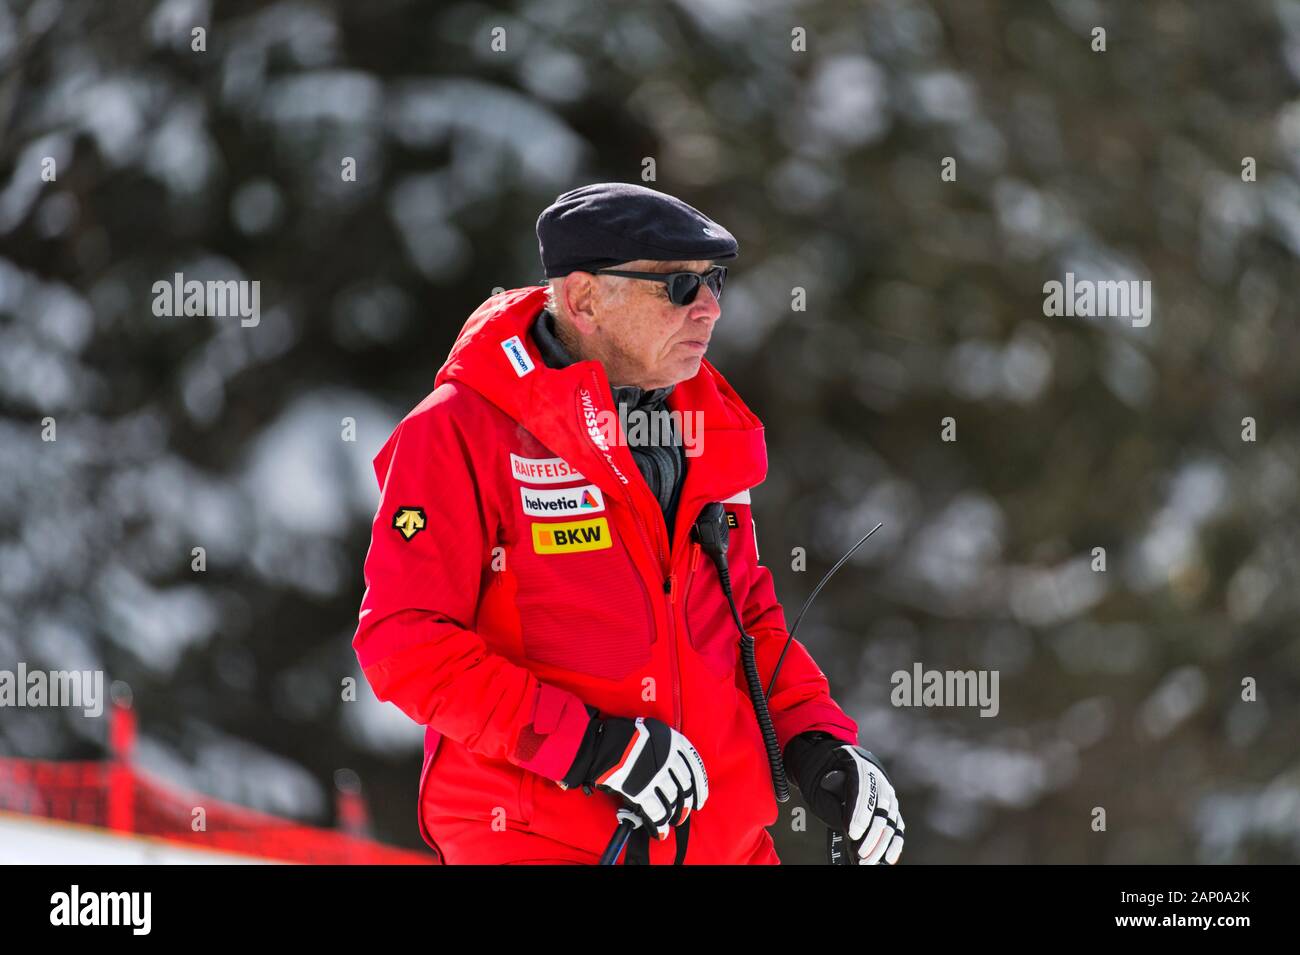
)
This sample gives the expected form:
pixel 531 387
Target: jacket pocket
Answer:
pixel 463 785
pixel 709 625
pixel 526 784
pixel 584 612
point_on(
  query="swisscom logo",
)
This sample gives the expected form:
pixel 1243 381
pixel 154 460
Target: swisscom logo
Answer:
pixel 562 501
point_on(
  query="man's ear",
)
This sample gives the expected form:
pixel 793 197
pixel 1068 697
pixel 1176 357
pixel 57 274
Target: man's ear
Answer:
pixel 581 297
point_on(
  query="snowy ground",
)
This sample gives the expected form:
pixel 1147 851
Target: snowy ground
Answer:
pixel 28 840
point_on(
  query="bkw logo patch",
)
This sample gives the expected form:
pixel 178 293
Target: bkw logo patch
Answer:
pixel 571 537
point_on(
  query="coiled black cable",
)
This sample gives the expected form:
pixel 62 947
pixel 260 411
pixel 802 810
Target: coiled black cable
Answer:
pixel 750 662
pixel 711 530
pixel 712 533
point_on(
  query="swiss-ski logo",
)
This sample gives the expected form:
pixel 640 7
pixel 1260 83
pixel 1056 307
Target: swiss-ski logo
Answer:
pixel 595 433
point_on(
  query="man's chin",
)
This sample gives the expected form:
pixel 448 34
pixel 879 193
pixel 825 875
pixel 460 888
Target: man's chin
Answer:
pixel 683 369
pixel 689 368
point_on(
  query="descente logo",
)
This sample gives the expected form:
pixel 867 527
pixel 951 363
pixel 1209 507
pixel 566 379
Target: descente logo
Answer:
pixel 103 908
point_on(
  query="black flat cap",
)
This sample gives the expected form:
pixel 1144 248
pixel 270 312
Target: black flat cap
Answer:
pixel 606 223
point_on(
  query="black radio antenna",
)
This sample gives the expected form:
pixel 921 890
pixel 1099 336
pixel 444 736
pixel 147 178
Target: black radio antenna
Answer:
pixel 807 603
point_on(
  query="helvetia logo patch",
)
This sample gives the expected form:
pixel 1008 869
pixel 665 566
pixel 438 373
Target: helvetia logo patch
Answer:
pixel 572 537
pixel 409 521
pixel 562 501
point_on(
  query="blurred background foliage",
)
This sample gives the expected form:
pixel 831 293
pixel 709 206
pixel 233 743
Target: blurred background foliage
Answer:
pixel 1119 689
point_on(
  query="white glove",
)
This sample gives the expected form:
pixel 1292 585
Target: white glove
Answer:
pixel 874 817
pixel 648 763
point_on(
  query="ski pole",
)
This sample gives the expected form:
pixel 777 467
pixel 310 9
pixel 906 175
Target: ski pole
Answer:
pixel 839 851
pixel 628 821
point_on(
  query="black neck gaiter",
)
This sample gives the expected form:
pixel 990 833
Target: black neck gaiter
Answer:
pixel 653 436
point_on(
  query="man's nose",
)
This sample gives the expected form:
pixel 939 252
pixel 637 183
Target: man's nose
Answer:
pixel 706 305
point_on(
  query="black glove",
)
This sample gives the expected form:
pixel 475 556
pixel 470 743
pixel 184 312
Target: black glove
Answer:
pixel 647 762
pixel 860 803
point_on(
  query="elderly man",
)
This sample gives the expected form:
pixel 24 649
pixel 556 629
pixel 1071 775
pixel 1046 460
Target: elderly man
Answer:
pixel 535 591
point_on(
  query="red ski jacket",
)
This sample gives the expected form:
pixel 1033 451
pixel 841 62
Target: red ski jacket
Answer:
pixel 519 568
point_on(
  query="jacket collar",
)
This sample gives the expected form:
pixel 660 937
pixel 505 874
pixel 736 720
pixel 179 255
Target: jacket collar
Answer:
pixel 556 406
pixel 557 355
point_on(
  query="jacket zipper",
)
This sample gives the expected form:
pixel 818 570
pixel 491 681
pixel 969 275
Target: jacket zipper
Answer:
pixel 671 588
pixel 668 586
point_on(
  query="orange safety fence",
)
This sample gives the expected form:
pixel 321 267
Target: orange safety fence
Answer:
pixel 115 796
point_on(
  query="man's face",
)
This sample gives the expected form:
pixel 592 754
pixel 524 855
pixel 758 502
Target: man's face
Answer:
pixel 640 336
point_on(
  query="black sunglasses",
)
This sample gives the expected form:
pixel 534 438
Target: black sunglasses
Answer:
pixel 682 286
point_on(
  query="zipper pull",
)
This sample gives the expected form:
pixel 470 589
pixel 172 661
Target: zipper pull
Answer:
pixel 670 588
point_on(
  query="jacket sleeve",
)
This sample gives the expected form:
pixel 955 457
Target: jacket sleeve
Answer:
pixel 801 699
pixel 415 641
